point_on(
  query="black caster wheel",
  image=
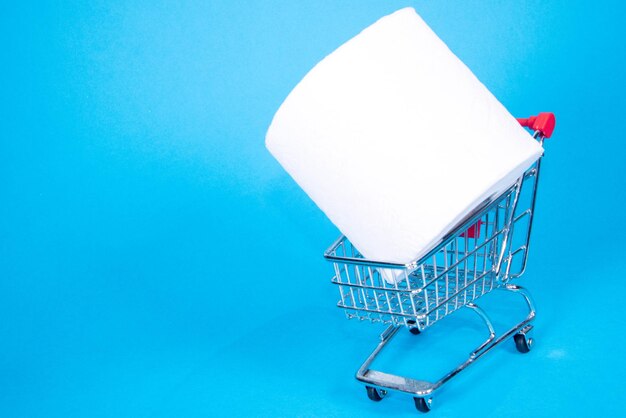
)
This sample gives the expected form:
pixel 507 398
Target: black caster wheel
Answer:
pixel 374 394
pixel 423 404
pixel 415 330
pixel 523 343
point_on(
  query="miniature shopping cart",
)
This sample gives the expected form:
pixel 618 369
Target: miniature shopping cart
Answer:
pixel 483 253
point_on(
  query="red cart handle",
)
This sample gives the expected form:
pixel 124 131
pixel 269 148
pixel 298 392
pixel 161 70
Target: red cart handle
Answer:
pixel 543 122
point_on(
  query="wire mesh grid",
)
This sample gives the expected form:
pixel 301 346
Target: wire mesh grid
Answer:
pixel 466 266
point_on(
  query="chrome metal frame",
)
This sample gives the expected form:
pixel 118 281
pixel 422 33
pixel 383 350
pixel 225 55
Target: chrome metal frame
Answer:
pixel 453 275
pixel 424 389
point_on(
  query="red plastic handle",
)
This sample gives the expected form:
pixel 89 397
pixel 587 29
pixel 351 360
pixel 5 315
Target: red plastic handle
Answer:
pixel 543 122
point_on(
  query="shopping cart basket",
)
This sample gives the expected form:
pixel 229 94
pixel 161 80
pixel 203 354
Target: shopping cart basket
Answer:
pixel 483 253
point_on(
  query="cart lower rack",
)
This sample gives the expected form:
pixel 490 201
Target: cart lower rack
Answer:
pixel 482 254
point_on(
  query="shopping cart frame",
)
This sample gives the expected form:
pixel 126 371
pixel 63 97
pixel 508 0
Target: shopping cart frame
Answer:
pixel 366 295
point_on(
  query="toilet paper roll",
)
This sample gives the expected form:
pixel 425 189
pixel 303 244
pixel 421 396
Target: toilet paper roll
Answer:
pixel 395 139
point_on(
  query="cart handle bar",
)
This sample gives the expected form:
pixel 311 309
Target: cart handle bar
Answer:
pixel 543 123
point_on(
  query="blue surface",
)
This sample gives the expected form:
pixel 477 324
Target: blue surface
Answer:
pixel 155 261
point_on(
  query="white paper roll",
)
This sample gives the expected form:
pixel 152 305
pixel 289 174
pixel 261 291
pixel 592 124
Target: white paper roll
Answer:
pixel 395 139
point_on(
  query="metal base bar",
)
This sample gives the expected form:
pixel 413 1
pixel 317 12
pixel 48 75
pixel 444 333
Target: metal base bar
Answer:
pixel 424 389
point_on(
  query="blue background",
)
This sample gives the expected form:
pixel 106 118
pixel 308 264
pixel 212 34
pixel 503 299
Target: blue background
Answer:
pixel 156 261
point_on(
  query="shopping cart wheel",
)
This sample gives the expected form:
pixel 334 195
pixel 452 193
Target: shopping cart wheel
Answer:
pixel 523 343
pixel 414 329
pixel 423 404
pixel 375 394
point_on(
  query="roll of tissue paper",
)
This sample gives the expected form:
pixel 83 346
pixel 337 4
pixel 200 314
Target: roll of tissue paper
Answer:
pixel 396 140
